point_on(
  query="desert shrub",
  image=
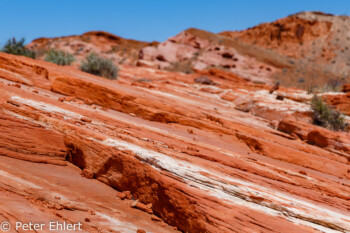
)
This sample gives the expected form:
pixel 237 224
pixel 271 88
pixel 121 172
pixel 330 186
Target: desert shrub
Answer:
pixel 310 89
pixel 184 67
pixel 59 57
pixel 333 85
pixel 17 48
pixel 326 116
pixel 96 65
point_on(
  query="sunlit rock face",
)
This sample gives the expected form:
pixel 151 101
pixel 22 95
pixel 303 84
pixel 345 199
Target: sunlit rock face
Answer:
pixel 304 50
pixel 195 135
pixel 203 152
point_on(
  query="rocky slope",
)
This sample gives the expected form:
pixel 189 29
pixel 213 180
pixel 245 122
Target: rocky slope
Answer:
pixel 306 50
pixel 118 49
pixel 186 52
pixel 161 151
pixel 317 43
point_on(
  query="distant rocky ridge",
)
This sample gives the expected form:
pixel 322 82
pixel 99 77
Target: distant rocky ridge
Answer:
pixel 318 43
pixel 120 50
pixel 305 50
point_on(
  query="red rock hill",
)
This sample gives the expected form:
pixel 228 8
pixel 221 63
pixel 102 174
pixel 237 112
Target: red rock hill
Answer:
pixel 304 50
pixel 165 152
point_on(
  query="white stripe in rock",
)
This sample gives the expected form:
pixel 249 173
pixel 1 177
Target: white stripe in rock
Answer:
pixel 117 225
pixel 231 190
pixel 237 191
pixel 46 107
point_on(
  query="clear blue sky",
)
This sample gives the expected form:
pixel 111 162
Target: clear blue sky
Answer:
pixel 146 20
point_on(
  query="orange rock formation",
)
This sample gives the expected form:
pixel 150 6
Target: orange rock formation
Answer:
pixel 184 150
pixel 161 149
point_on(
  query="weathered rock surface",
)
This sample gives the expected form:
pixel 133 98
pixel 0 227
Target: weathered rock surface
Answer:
pixel 340 100
pixel 315 43
pixel 118 49
pixel 195 49
pixel 72 142
pixel 306 50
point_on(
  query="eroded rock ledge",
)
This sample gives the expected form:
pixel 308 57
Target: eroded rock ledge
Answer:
pixel 182 149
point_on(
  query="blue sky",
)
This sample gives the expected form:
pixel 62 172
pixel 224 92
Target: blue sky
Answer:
pixel 146 20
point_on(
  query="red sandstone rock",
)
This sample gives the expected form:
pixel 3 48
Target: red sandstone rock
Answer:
pixel 85 119
pixel 87 173
pixel 325 138
pixel 300 36
pixel 318 136
pixel 340 101
pixel 262 53
pixel 289 31
pixel 121 195
pixel 17 141
pixel 293 127
pixel 138 205
pixel 234 163
pixel 94 41
pixel 203 80
pixel 346 88
pixel 155 218
pixel 134 203
pixel 128 195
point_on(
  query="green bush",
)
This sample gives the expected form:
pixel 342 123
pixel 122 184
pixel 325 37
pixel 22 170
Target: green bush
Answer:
pixel 17 48
pixel 333 85
pixel 324 115
pixel 59 57
pixel 96 65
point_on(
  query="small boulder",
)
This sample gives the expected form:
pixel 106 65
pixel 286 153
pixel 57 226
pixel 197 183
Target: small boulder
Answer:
pixel 279 97
pixel 274 124
pixel 85 119
pixel 121 195
pixel 346 88
pixel 138 205
pixel 128 195
pixel 87 173
pixel 155 218
pixel 316 137
pixel 203 80
pixel 134 203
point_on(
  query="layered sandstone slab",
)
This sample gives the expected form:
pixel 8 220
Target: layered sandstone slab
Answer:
pixel 177 146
